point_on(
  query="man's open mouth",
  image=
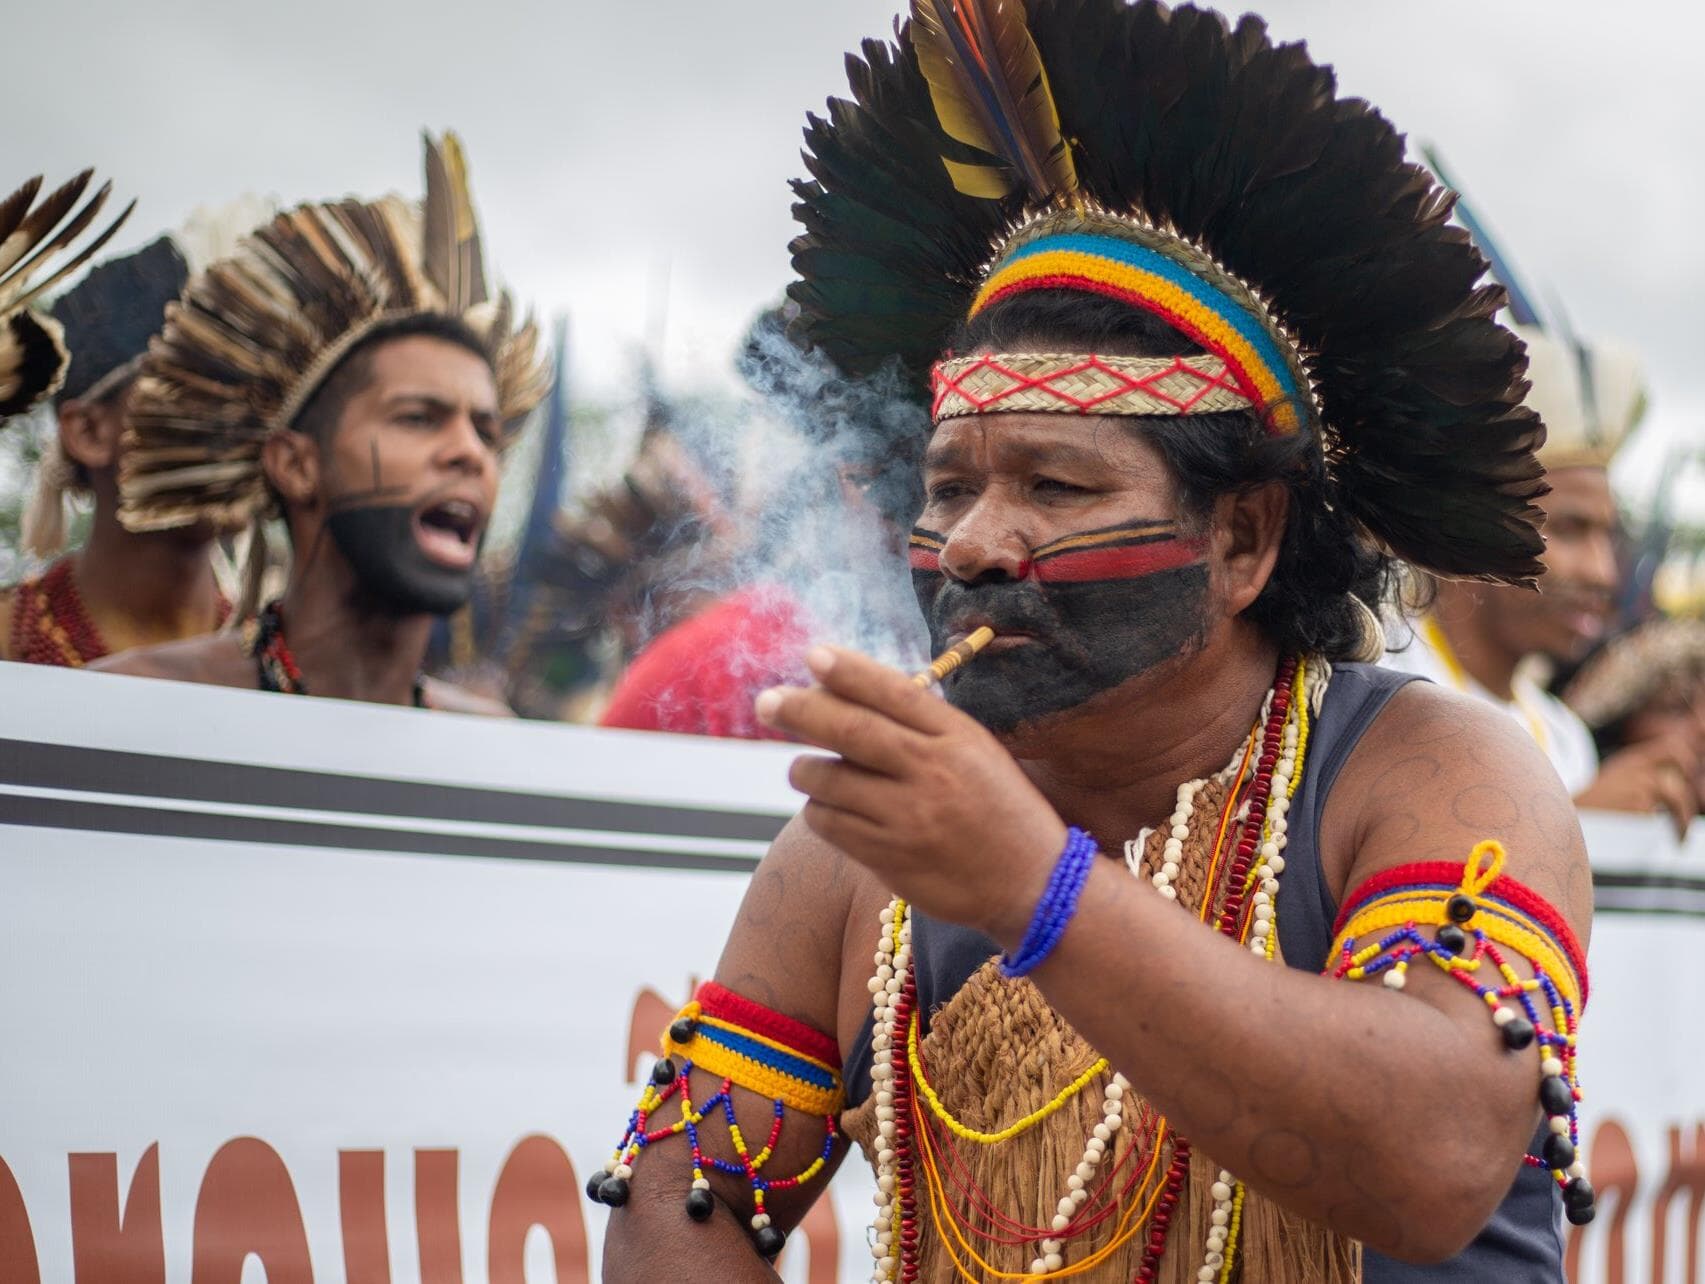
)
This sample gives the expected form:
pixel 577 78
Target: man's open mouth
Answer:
pixel 448 532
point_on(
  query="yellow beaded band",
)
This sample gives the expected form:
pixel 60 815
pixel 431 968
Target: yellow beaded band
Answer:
pixel 754 1060
pixel 1477 897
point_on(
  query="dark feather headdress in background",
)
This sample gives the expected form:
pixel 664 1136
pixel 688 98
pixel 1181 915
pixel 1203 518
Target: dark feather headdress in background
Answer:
pixel 1164 156
pixel 33 355
pixel 257 333
pixel 107 320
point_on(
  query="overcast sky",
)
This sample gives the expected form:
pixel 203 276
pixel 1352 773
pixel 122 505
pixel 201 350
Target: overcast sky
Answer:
pixel 630 159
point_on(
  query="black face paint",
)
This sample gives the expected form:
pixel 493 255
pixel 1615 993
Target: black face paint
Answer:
pixel 378 542
pixel 1100 606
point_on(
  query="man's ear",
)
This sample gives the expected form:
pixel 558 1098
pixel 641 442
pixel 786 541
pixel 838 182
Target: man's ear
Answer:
pixel 89 433
pixel 1251 529
pixel 291 461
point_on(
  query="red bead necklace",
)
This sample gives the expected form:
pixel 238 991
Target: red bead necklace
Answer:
pixel 1231 922
pixel 50 624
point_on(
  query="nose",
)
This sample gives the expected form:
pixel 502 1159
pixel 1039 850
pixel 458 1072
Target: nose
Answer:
pixel 464 448
pixel 985 544
pixel 1601 570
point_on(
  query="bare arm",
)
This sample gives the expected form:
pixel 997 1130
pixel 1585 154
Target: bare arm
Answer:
pixel 1398 1119
pixel 785 952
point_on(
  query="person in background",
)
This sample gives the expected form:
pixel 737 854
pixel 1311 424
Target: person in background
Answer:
pixel 1486 640
pixel 349 366
pixel 120 589
pixel 1644 692
pixel 699 676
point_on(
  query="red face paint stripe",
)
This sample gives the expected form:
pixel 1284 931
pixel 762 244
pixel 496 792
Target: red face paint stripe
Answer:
pixel 1121 563
pixel 923 559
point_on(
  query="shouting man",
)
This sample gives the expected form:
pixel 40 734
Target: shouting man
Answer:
pixel 349 368
pixel 1178 943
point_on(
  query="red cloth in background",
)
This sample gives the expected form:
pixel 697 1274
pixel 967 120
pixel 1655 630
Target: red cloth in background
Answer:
pixel 700 676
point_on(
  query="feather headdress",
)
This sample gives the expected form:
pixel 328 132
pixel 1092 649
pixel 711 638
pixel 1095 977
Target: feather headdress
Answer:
pixel 256 334
pixel 33 355
pixel 1164 155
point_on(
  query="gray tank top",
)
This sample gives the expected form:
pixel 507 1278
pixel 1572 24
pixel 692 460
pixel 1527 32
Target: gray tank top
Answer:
pixel 1523 1243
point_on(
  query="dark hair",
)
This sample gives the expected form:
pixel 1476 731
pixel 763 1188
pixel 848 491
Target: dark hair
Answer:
pixel 319 416
pixel 1325 558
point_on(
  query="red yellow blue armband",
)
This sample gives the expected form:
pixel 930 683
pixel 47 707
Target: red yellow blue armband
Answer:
pixel 1462 919
pixel 747 1046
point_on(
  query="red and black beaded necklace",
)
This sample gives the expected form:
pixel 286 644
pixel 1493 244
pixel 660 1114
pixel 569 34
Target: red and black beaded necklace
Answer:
pixel 50 624
pixel 1232 921
pixel 263 639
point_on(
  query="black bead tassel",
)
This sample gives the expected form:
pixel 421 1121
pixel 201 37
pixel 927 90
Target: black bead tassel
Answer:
pixel 1518 1034
pixel 1557 1151
pixel 700 1205
pixel 1554 1095
pixel 1453 938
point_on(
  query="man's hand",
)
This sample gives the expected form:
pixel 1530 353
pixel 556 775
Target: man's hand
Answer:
pixel 921 795
pixel 1656 775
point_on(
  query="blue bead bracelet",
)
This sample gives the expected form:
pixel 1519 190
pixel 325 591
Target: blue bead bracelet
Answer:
pixel 1059 902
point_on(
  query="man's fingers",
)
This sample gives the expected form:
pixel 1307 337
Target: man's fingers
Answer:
pixel 859 734
pixel 845 830
pixel 892 693
pixel 839 784
pixel 1676 796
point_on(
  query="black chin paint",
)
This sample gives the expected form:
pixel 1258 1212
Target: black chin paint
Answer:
pixel 378 542
pixel 1101 607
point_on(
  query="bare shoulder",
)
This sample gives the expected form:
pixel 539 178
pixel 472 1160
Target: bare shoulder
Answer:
pixel 6 596
pixel 1438 772
pixel 215 659
pixel 797 933
pixel 447 698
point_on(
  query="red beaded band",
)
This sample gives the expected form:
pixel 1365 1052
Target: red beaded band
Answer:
pixel 723 1004
pixel 1448 874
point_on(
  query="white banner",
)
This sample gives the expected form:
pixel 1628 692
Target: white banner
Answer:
pixel 308 991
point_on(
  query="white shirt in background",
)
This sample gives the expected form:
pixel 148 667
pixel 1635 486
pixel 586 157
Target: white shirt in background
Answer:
pixel 1558 731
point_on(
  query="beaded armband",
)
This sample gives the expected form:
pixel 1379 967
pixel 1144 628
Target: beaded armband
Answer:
pixel 1463 919
pixel 747 1046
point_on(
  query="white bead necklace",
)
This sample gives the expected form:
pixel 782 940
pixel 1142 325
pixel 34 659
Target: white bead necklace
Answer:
pixel 894 964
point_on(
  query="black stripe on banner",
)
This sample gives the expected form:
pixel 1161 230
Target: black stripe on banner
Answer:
pixel 163 822
pixel 111 771
pixel 1636 892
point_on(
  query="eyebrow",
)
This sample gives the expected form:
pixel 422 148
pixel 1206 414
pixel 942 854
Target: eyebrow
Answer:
pixel 1064 453
pixel 436 402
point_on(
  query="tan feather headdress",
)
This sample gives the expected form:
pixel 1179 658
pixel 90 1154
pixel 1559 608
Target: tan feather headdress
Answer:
pixel 256 334
pixel 1629 671
pixel 33 356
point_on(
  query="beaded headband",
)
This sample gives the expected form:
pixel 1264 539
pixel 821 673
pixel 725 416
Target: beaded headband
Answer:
pixel 1251 361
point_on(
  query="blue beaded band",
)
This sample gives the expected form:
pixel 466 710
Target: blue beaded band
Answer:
pixel 1059 902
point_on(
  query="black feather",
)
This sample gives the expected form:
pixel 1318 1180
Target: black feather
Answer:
pixel 1243 147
